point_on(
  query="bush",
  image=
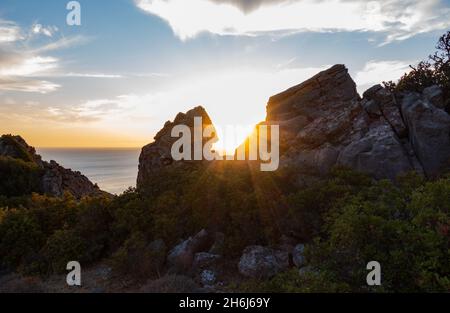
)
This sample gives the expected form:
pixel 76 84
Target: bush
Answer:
pixel 408 237
pixel 434 71
pixel 61 248
pixel 18 177
pixel 136 259
pixel 21 237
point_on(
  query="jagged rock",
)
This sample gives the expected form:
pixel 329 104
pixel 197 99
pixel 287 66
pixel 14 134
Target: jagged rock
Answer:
pixel 325 123
pixel 340 128
pixel 55 179
pixel 263 262
pixel 429 129
pixel 157 155
pixel 182 256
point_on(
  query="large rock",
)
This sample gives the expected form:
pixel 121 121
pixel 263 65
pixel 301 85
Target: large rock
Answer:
pixel 55 179
pixel 182 256
pixel 429 129
pixel 157 155
pixel 324 123
pixel 263 262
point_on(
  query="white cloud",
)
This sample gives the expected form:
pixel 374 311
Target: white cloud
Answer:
pixel 29 66
pixel 9 32
pixel 399 19
pixel 374 72
pixel 93 75
pixel 26 85
pixel 48 31
pixel 20 61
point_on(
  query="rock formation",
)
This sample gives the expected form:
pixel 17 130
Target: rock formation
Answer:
pixel 324 123
pixel 157 155
pixel 55 179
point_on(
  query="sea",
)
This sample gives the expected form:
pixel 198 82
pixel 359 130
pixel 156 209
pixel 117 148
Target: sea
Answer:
pixel 113 169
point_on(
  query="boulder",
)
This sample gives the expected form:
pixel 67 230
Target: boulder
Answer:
pixel 204 259
pixel 263 262
pixel 182 256
pixel 208 277
pixel 429 129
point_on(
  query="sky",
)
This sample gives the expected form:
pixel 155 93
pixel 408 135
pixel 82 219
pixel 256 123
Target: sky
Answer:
pixel 114 80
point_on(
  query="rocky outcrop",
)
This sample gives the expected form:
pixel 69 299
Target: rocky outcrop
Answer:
pixel 324 123
pixel 55 179
pixel 263 262
pixel 157 155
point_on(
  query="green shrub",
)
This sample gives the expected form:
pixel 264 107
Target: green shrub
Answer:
pixel 61 248
pixel 136 259
pixel 18 177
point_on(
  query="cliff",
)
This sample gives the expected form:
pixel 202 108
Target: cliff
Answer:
pixel 53 179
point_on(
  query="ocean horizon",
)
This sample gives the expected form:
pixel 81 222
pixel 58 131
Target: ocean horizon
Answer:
pixel 113 169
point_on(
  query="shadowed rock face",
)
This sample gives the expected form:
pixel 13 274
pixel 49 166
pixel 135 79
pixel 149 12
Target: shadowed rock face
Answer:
pixel 157 155
pixel 55 179
pixel 324 122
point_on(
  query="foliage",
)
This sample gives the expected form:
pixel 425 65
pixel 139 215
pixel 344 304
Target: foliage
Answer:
pixel 434 71
pixel 18 177
pixel 405 232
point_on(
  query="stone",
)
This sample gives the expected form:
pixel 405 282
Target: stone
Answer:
pixel 182 256
pixel 262 262
pixel 204 259
pixel 435 96
pixel 208 277
pixel 429 129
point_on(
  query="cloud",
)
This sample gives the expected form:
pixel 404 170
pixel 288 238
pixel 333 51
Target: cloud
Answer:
pixel 25 85
pixel 21 62
pixel 374 72
pixel 28 66
pixel 9 32
pixel 398 19
pixel 48 31
pixel 93 75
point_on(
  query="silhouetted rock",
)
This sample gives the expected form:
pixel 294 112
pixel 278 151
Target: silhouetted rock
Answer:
pixel 157 155
pixel 181 257
pixel 55 179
